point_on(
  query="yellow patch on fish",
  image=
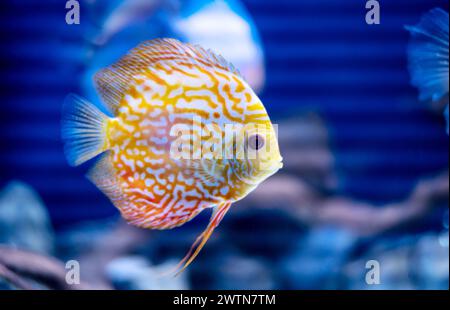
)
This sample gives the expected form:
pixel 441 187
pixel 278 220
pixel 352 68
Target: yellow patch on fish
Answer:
pixel 158 176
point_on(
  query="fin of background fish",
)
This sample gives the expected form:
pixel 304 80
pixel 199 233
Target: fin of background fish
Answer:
pixel 428 54
pixel 446 118
pixel 112 82
pixel 83 130
pixel 125 13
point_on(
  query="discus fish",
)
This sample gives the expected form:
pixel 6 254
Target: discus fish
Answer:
pixel 428 56
pixel 158 176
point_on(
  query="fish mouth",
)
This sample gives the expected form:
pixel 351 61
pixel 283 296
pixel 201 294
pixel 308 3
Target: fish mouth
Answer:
pixel 276 167
pixel 280 164
pixel 271 170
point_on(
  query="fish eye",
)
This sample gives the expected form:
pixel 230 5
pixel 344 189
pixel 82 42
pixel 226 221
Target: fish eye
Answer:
pixel 256 142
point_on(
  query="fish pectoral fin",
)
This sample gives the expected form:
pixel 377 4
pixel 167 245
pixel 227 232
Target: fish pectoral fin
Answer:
pixel 207 169
pixel 217 216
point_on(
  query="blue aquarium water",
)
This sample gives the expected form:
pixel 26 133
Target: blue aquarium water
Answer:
pixel 350 122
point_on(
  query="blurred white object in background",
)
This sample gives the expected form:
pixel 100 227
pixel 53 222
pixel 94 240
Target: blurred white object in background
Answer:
pixel 125 13
pixel 225 27
pixel 24 220
pixel 135 273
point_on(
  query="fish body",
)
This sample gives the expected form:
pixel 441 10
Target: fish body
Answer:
pixel 188 133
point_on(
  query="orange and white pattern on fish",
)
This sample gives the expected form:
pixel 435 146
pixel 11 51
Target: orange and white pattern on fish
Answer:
pixel 161 192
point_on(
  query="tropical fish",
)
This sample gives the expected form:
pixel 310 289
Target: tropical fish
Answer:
pixel 428 56
pixel 167 153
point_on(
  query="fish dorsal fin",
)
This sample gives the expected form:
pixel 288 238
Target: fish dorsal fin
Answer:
pixel 215 59
pixel 113 81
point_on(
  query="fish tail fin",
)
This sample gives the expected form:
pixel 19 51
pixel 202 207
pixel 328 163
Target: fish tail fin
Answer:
pixel 216 218
pixel 428 54
pixel 83 130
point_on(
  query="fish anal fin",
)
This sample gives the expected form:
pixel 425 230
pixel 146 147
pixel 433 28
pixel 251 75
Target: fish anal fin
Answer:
pixel 103 175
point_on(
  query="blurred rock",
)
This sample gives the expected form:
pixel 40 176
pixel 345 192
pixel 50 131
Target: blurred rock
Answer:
pixel 262 232
pixel 431 262
pixel 408 263
pixel 5 286
pixel 235 272
pixel 24 221
pixel 96 243
pixel 394 270
pixel 317 259
pixel 135 273
pixel 83 237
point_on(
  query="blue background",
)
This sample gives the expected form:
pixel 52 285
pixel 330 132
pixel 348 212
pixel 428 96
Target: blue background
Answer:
pixel 321 56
